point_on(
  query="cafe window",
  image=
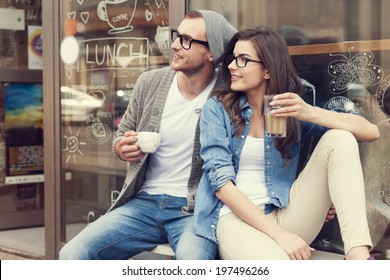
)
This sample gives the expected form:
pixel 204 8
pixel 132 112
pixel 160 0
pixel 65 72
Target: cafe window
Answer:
pixel 341 49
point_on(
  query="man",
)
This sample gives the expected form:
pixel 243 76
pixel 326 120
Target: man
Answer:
pixel 158 196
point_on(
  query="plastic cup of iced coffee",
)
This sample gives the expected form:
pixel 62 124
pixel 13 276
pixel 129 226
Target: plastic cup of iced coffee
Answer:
pixel 274 126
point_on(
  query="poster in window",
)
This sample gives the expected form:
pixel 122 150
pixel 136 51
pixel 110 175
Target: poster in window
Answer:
pixel 23 133
pixel 35 58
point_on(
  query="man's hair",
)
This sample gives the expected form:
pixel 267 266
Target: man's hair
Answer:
pixel 193 14
pixel 218 31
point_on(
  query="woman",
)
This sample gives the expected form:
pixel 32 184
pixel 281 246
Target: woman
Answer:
pixel 250 198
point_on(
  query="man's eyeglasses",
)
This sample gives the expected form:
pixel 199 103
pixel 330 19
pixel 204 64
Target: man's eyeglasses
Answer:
pixel 186 41
pixel 241 61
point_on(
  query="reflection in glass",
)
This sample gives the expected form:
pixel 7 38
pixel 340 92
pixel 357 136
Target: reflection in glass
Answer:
pixel 115 41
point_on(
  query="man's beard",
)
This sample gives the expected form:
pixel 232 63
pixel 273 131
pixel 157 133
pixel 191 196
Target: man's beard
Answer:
pixel 189 69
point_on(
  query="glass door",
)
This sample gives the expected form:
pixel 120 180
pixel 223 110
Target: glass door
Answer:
pixel 104 46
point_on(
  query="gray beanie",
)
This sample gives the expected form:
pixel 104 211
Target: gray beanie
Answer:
pixel 219 32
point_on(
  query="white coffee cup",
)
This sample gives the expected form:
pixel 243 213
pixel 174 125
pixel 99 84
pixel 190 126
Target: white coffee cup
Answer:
pixel 148 142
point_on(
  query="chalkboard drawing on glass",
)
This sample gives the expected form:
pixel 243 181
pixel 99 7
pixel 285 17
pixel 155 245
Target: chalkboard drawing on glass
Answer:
pixel 118 14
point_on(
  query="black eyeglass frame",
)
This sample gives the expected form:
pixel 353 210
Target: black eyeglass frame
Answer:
pixel 191 40
pixel 230 57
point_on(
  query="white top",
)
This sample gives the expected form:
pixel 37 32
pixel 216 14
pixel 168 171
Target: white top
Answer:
pixel 250 176
pixel 170 166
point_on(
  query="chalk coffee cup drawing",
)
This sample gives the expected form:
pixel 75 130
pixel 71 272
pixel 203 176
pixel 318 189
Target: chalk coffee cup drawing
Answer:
pixel 148 142
pixel 118 14
pixel 274 126
pixel 162 39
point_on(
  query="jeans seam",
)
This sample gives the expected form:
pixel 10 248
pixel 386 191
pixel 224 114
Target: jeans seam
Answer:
pixel 108 245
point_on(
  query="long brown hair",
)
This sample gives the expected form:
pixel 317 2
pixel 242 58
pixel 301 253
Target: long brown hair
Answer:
pixel 272 49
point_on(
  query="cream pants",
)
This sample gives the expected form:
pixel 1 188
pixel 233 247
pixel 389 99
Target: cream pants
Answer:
pixel 333 174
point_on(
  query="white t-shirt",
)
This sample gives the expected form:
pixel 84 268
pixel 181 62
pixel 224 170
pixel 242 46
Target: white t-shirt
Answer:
pixel 170 166
pixel 250 176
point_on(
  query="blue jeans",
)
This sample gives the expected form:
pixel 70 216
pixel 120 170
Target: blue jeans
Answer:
pixel 193 247
pixel 141 224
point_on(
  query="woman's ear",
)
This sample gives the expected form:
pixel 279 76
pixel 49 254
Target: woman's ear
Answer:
pixel 266 76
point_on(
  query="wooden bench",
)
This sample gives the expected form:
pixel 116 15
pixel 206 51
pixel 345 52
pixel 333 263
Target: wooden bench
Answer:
pixel 163 249
pixel 166 250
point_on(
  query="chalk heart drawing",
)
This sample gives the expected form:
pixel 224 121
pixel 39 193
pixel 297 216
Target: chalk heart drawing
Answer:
pixel 118 14
pixel 80 2
pixel 68 72
pixel 124 61
pixel 158 3
pixel 85 17
pixel 72 15
pixel 353 69
pixel 148 15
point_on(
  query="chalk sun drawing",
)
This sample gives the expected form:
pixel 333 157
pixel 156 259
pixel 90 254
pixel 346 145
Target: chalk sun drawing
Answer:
pixel 353 69
pixel 72 145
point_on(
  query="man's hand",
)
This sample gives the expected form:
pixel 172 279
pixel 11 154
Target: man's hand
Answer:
pixel 331 213
pixel 127 149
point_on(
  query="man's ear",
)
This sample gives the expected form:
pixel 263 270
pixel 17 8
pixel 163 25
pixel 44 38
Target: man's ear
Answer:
pixel 210 57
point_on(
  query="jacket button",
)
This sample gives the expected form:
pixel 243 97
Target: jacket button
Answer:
pixel 155 111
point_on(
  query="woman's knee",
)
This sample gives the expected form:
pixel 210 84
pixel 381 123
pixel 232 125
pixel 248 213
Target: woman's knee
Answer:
pixel 338 138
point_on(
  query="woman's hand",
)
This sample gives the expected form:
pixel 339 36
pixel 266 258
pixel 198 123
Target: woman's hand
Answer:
pixel 295 247
pixel 127 149
pixel 292 106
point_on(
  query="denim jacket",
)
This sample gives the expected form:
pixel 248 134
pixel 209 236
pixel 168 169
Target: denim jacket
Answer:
pixel 221 151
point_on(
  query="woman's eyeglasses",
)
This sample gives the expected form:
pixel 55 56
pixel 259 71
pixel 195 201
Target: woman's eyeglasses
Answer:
pixel 186 41
pixel 241 61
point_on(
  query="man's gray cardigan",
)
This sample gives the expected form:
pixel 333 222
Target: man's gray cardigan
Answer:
pixel 144 113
